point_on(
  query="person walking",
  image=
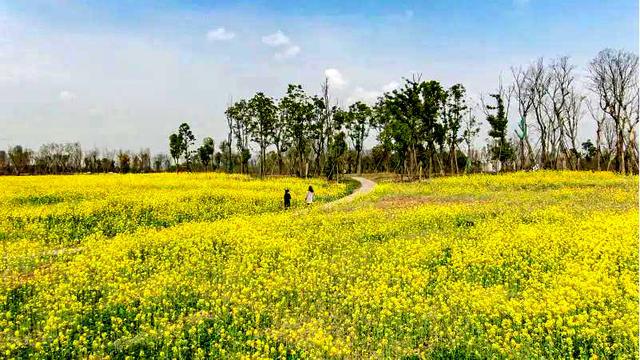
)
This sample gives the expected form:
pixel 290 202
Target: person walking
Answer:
pixel 309 198
pixel 287 199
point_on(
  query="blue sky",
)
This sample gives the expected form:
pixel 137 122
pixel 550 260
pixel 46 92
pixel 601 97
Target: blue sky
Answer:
pixel 124 74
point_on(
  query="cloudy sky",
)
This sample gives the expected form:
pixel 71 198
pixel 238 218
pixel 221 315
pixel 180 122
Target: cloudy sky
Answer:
pixel 124 74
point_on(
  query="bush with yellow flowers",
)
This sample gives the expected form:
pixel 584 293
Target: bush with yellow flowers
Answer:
pixel 523 265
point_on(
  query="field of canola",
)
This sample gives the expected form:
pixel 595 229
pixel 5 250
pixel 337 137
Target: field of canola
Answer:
pixel 524 265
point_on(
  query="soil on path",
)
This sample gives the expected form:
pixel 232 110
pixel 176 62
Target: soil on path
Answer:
pixel 366 186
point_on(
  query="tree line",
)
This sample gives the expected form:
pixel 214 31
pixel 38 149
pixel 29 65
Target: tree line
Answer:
pixel 421 129
pixel 69 158
pixel 424 128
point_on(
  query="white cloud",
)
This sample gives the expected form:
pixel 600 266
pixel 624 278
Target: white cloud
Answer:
pixel 66 96
pixel 366 96
pixel 288 53
pixel 390 86
pixel 335 78
pixel 276 39
pixel 371 96
pixel 220 34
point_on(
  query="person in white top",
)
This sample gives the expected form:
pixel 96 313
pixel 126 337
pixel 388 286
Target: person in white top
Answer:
pixel 309 198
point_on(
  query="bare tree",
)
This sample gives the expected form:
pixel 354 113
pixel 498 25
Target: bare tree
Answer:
pixel 614 80
pixel 560 87
pixel 470 129
pixel 522 88
pixel 600 117
pixel 610 133
pixel 322 127
pixel 575 112
pixel 539 82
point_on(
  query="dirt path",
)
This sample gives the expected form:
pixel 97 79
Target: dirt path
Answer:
pixel 366 186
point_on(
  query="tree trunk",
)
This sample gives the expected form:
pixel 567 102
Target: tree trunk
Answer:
pixel 452 159
pixel 543 155
pixel 598 147
pixel 430 167
pixel 620 151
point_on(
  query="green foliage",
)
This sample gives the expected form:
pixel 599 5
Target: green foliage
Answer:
pixel 501 149
pixel 262 123
pixel 337 148
pixel 297 112
pixel 589 149
pixel 358 121
pixel 411 117
pixel 180 143
pixel 206 151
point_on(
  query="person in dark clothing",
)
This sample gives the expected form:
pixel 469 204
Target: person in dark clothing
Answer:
pixel 287 199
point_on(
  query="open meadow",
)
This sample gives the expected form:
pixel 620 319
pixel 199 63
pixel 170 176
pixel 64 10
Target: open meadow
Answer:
pixel 522 265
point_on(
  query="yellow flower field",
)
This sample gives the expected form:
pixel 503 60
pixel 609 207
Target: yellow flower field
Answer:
pixel 524 265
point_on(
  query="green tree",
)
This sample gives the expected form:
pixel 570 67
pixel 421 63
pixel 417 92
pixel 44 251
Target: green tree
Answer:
pixel 205 152
pixel 589 150
pixel 412 119
pixel 298 112
pixel 456 109
pixel 400 112
pixel 20 158
pixel 188 139
pixel 336 149
pixel 239 115
pixel 261 125
pixel 501 149
pixel 280 136
pixel 358 121
pixel 175 148
pixel 433 98
pixel 124 161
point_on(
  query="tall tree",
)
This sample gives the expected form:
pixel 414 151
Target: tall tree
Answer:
pixel 20 158
pixel 501 149
pixel 261 125
pixel 322 126
pixel 281 139
pixel 574 114
pixel 560 88
pixel 336 150
pixel 470 131
pixel 188 139
pixel 614 80
pixel 539 82
pixel 124 161
pixel 456 109
pixel 230 125
pixel 432 101
pixel 205 151
pixel 412 118
pixel 358 121
pixel 175 148
pixel 522 89
pixel 240 113
pixel 298 114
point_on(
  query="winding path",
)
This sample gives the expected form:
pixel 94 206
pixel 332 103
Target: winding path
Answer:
pixel 366 186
